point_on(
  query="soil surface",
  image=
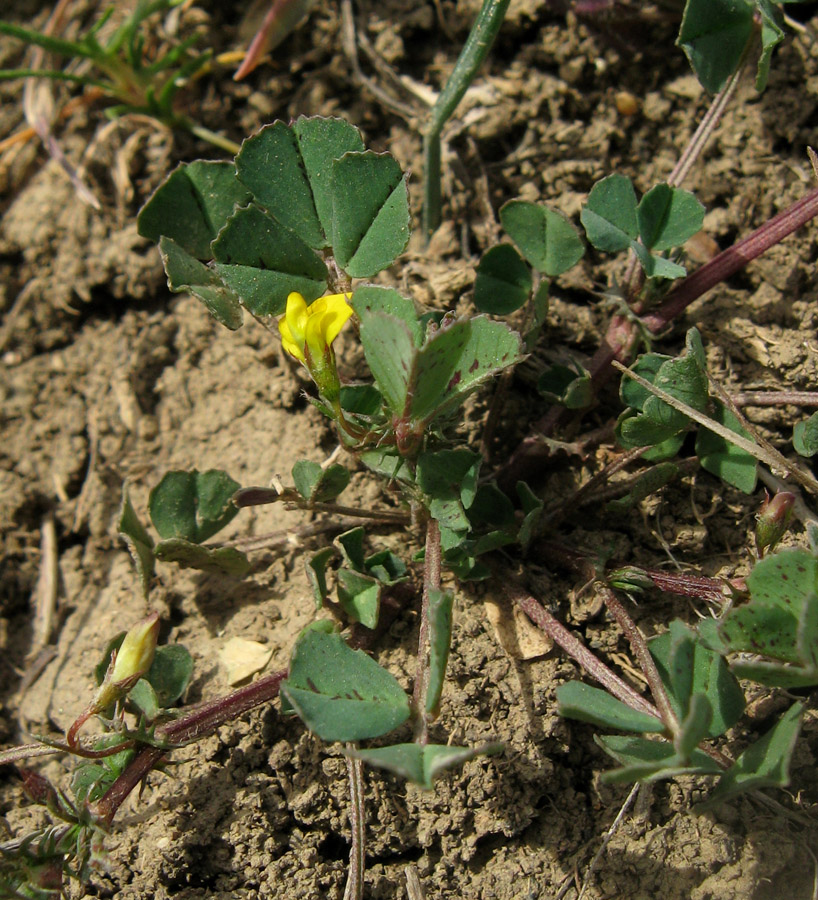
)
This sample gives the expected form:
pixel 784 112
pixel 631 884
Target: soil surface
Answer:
pixel 106 377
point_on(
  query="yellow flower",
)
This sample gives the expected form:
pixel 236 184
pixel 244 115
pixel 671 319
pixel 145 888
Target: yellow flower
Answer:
pixel 307 332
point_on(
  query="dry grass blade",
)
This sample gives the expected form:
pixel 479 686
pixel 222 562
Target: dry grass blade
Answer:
pixel 769 456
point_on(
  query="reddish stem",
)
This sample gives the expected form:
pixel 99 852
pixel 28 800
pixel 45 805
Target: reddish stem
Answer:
pixel 191 726
pixel 578 651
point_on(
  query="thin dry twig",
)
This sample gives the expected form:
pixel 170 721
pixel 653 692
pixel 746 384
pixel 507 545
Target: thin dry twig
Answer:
pixel 349 42
pixel 592 866
pixel 44 600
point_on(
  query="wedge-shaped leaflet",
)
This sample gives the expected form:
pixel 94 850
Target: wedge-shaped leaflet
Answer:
pixel 137 540
pixel 502 282
pixel 719 457
pixel 221 560
pixel 192 505
pixel 342 694
pixel 390 348
pixel 261 261
pixel 422 764
pixel 370 212
pixel 289 171
pixel 316 566
pixel 667 217
pixel 186 274
pixel 779 623
pixel 766 763
pixel 360 596
pixel 545 238
pixel 589 704
pixel 440 639
pixel 455 361
pixel 805 436
pixel 609 217
pixel 319 485
pixel 192 205
pixel 642 759
pixel 370 298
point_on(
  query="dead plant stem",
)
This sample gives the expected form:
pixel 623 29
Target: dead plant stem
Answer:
pixel 431 582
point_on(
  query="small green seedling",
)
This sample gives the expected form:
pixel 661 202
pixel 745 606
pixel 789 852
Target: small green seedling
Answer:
pixel 126 67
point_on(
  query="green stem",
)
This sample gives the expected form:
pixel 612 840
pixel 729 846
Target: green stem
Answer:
pixel 213 138
pixel 474 51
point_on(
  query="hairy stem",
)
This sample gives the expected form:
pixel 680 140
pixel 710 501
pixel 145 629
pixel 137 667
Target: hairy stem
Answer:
pixel 195 724
pixel 431 582
pixel 639 648
pixel 357 819
pixel 578 651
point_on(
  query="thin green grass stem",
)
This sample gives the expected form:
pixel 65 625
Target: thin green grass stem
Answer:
pixel 474 51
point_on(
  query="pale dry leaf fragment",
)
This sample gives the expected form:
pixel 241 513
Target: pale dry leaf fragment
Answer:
pixel 242 659
pixel 515 632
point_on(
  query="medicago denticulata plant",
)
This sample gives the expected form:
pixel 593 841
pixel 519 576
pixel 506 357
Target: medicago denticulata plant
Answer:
pixel 292 233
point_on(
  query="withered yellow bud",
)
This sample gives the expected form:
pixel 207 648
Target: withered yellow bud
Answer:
pixel 133 660
pixel 135 655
